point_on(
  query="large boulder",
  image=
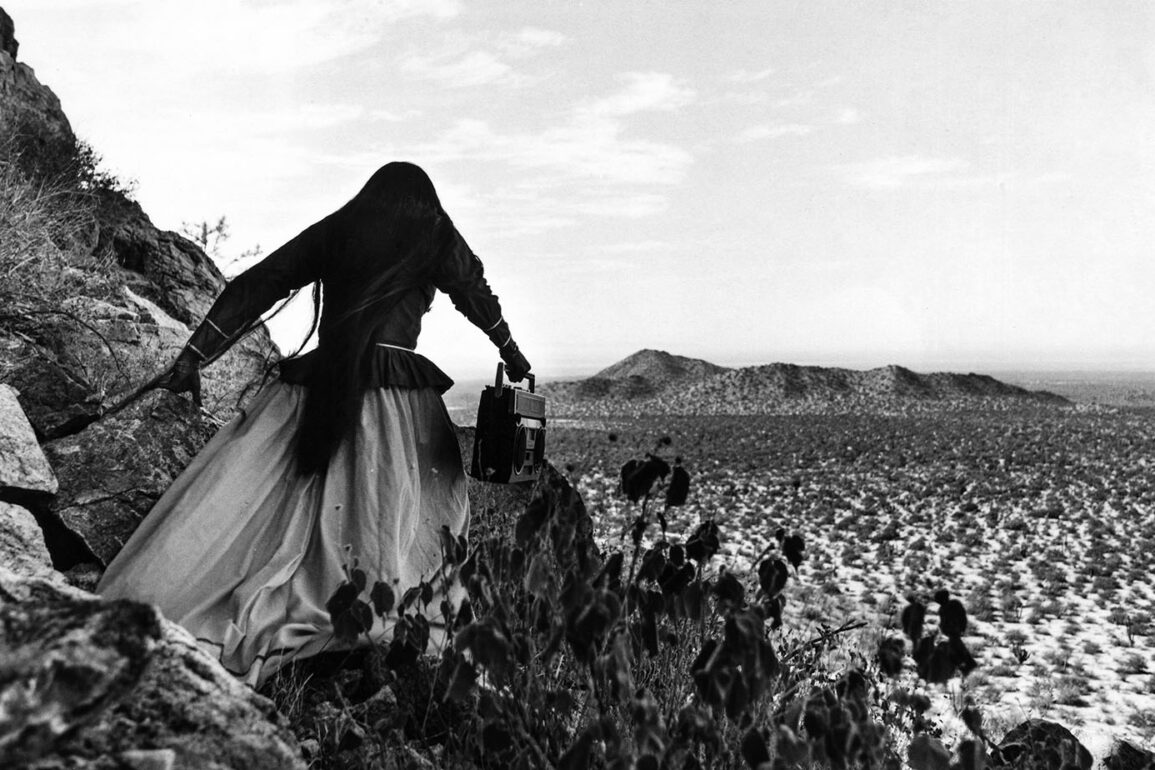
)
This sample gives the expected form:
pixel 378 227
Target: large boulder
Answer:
pixel 89 683
pixel 24 470
pixel 113 472
pixel 76 362
pixel 1037 744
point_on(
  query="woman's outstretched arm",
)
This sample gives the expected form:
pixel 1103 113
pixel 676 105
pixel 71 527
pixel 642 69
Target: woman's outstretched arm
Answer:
pixel 244 300
pixel 462 276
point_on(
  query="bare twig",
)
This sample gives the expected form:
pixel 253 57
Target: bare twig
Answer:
pixel 824 637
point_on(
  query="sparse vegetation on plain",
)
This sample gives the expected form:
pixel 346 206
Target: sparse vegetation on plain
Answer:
pixel 1042 519
pixel 1017 513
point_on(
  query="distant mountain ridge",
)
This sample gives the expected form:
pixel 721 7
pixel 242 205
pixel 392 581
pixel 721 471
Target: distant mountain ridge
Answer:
pixel 657 382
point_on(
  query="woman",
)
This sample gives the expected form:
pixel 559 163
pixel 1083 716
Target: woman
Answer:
pixel 351 453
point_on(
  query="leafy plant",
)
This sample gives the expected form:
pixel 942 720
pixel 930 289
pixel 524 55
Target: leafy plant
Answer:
pixel 570 657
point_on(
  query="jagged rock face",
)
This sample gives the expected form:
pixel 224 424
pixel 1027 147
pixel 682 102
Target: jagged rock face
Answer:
pixel 24 100
pixel 162 266
pixel 87 680
pixel 8 42
pixel 113 472
pixel 23 467
pixel 138 290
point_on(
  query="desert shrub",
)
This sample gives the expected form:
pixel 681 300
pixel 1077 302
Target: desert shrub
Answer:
pixel 1003 670
pixel 980 604
pixel 49 198
pixel 1132 663
pixel 39 222
pixel 1144 720
pixel 563 655
pixel 1072 690
pixel 61 161
pixel 1011 606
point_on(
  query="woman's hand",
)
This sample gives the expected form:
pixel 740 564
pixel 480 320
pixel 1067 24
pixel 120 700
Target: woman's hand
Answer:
pixel 184 376
pixel 516 365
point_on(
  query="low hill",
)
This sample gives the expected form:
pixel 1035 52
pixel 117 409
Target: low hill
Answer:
pixel 655 382
pixel 658 366
pixel 646 373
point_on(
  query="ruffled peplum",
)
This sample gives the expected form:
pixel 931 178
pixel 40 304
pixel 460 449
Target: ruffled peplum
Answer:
pixel 391 367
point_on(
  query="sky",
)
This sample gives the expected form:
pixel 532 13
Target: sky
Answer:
pixel 965 186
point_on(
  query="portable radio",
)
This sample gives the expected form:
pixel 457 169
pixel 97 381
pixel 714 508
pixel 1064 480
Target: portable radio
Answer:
pixel 509 445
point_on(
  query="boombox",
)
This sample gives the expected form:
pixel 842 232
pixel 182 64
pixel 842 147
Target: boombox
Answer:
pixel 509 446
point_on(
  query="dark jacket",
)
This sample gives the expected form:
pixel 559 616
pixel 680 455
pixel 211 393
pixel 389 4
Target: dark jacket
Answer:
pixel 303 260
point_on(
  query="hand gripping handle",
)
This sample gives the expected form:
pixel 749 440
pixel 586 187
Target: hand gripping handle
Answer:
pixel 501 376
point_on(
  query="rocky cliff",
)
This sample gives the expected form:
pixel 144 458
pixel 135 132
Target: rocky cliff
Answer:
pixel 94 300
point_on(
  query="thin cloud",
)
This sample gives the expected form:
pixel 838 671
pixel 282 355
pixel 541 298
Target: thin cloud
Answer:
pixel 587 165
pixel 305 117
pixel 759 133
pixel 797 99
pixel 639 247
pixel 624 205
pixel 462 65
pixel 219 34
pixel 897 171
pixel 848 116
pixel 390 116
pixel 473 69
pixel 531 40
pixel 589 150
pixel 592 145
pixel 747 98
pixel 643 92
pixel 750 76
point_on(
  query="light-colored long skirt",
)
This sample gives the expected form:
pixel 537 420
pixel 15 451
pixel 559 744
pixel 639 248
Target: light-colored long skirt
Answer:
pixel 244 552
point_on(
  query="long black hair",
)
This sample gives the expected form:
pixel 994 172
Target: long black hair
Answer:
pixel 389 239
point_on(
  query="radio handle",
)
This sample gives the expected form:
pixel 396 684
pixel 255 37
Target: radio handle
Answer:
pixel 501 376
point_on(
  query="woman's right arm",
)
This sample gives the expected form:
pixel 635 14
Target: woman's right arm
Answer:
pixel 245 299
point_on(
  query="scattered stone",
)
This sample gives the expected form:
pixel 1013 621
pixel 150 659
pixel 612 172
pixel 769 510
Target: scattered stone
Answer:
pixel 145 759
pixel 1045 745
pixel 84 576
pixel 23 466
pixel 310 748
pixel 1127 756
pixel 87 679
pixel 22 547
